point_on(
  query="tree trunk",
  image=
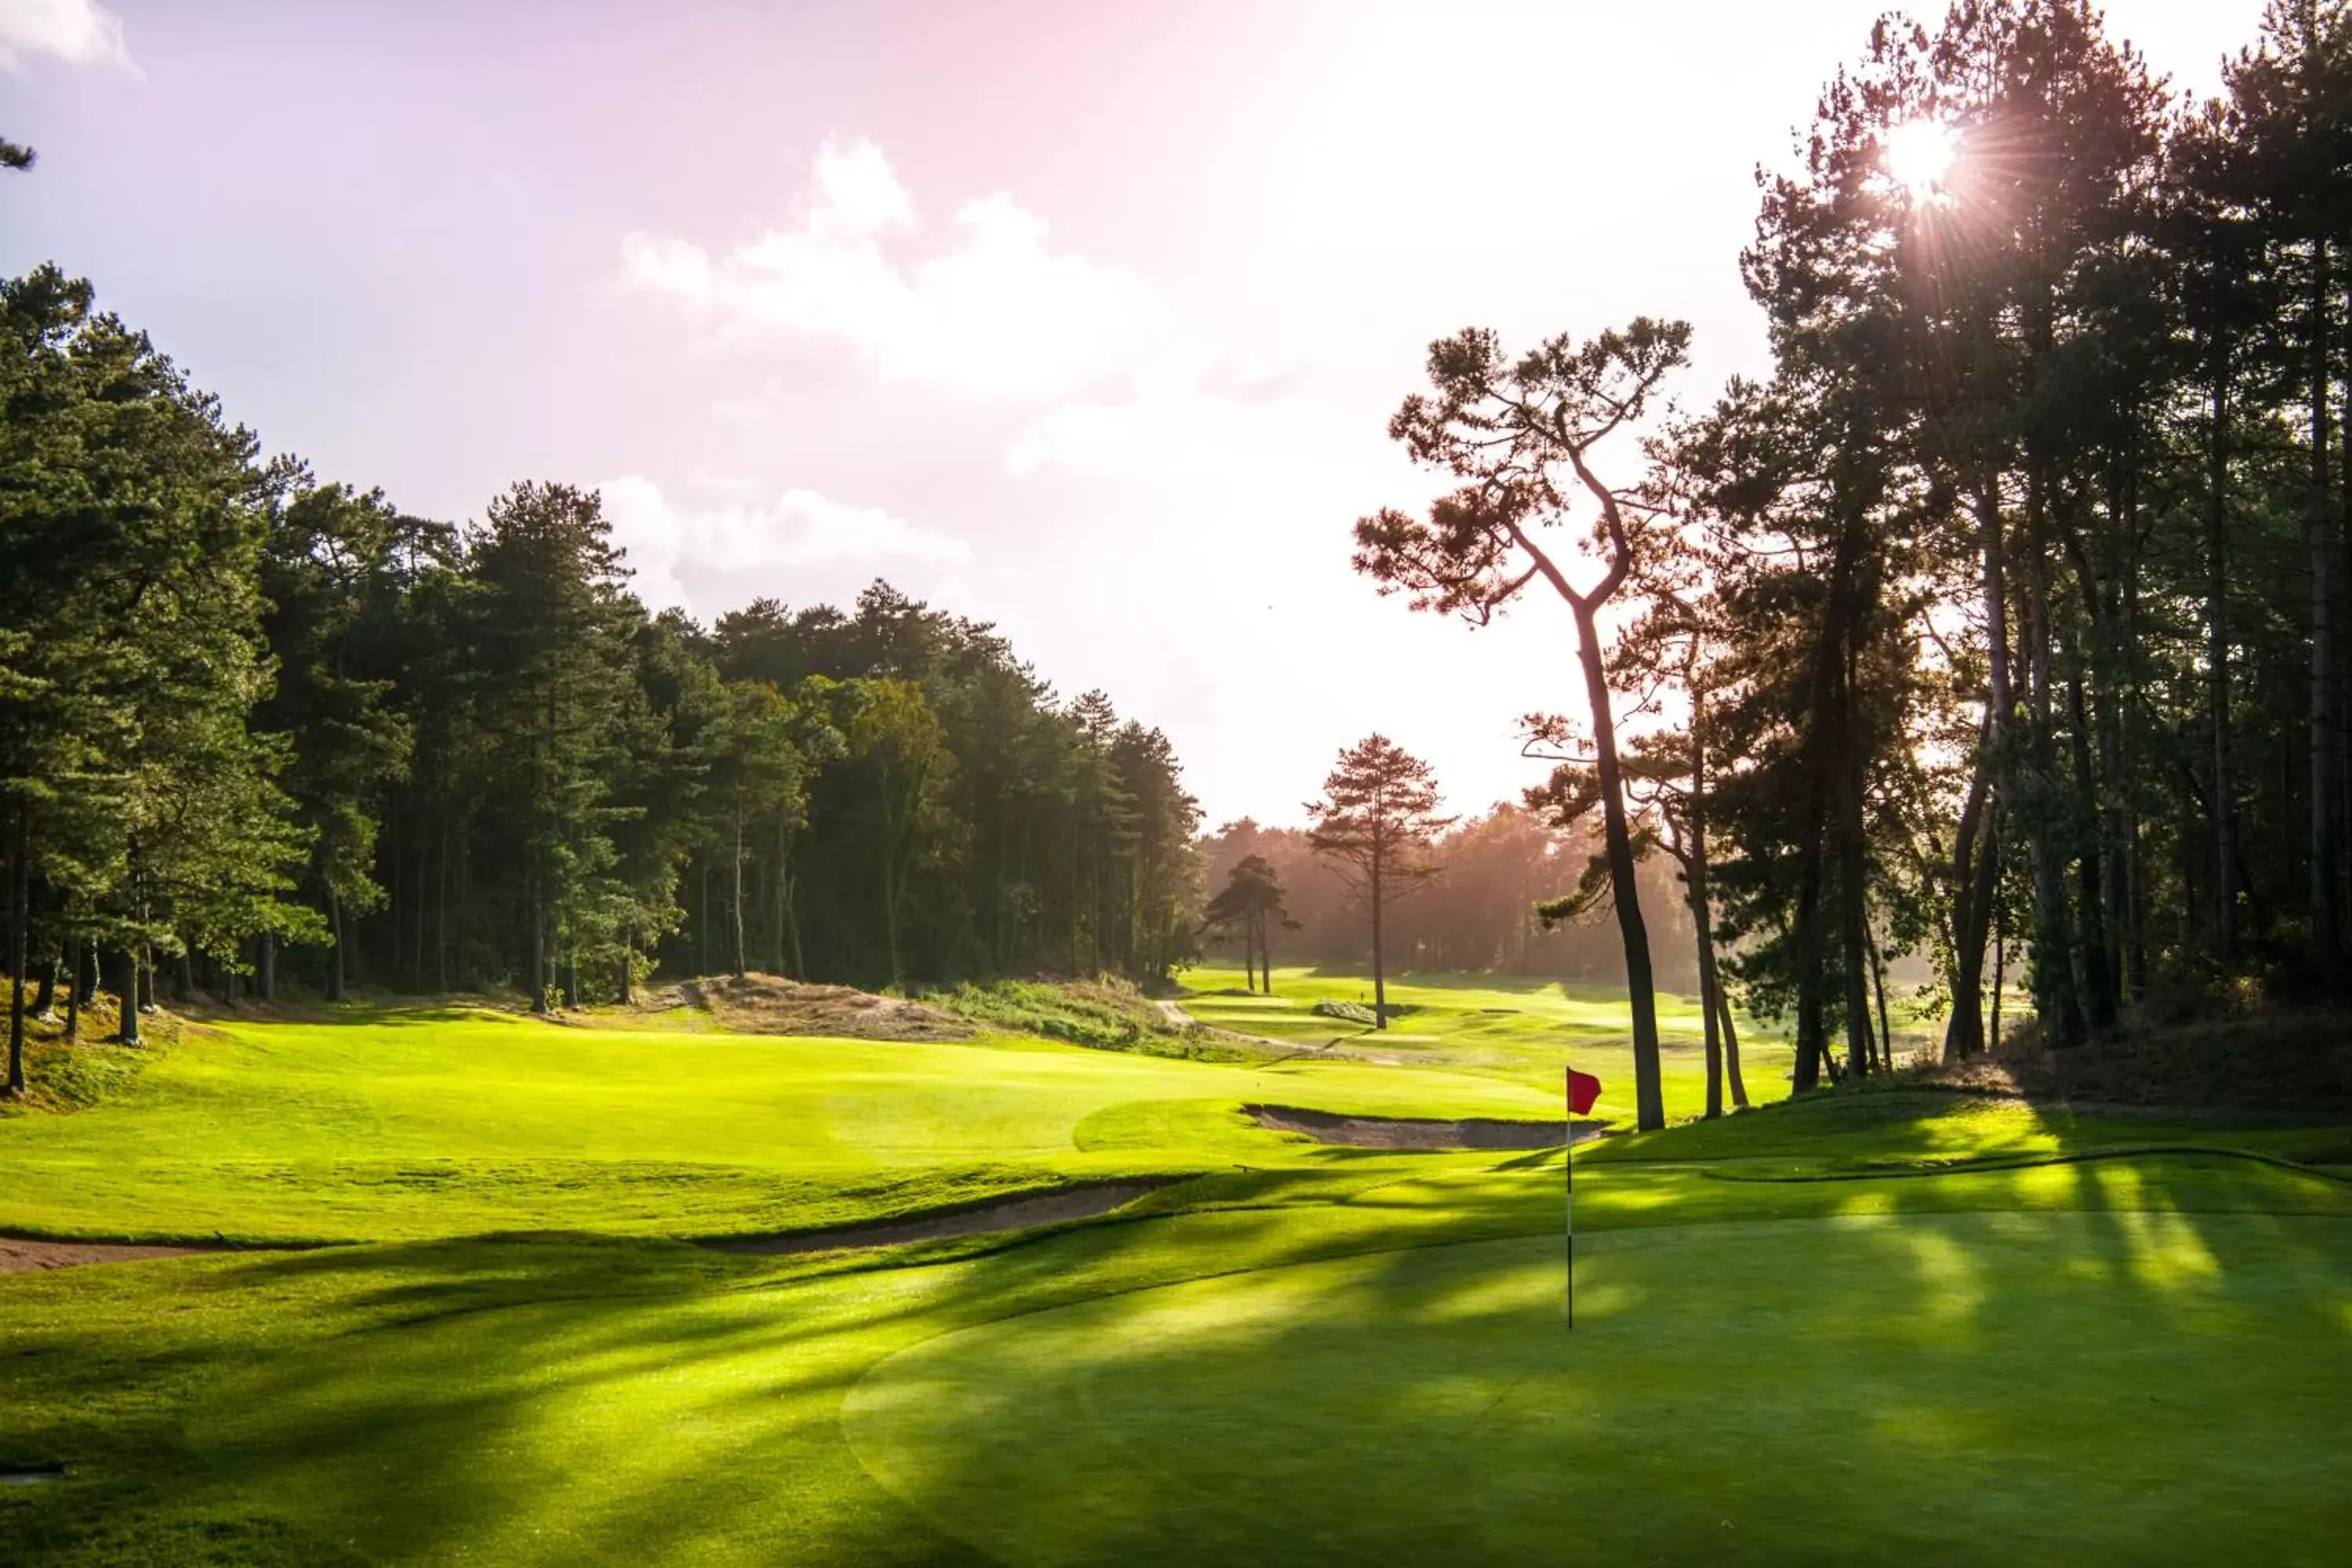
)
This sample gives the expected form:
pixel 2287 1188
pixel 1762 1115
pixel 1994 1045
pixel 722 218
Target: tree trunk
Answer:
pixel 2093 927
pixel 334 947
pixel 441 905
pixel 2327 914
pixel 20 913
pixel 2222 806
pixel 268 967
pixel 75 994
pixel 1733 1079
pixel 1710 1030
pixel 1696 883
pixel 1853 893
pixel 793 925
pixel 2056 1001
pixel 628 962
pixel 2000 970
pixel 127 1032
pixel 1975 870
pixel 538 952
pixel 1886 1029
pixel 1380 978
pixel 1648 1085
pixel 779 894
pixel 45 998
pixel 741 967
pixel 1812 1023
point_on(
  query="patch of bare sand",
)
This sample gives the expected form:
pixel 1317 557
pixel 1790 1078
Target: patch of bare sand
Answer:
pixel 19 1256
pixel 1417 1132
pixel 1012 1214
pixel 770 1005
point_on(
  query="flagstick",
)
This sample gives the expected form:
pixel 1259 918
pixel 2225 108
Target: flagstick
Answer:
pixel 1567 1186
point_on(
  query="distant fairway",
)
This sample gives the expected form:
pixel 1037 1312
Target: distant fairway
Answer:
pixel 454 1122
pixel 1516 1029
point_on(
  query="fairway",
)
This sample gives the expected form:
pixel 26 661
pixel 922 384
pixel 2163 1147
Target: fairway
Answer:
pixel 1512 1028
pixel 452 1122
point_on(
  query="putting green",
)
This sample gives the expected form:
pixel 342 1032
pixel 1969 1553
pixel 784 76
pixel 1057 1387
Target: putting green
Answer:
pixel 2105 1386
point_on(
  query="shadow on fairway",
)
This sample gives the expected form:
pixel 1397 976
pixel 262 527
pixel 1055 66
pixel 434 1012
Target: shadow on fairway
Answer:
pixel 2128 1361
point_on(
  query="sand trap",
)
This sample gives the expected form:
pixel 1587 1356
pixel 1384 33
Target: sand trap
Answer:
pixel 1014 1214
pixel 32 1476
pixel 19 1256
pixel 1417 1132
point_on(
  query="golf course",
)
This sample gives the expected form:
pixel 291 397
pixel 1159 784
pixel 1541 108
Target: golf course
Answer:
pixel 480 1320
pixel 1349 784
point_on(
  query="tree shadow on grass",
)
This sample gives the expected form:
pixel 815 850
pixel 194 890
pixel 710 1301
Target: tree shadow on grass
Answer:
pixel 2113 1361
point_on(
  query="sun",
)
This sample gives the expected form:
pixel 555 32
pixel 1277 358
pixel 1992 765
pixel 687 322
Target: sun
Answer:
pixel 1918 155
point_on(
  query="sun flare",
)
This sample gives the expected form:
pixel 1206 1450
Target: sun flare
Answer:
pixel 1919 154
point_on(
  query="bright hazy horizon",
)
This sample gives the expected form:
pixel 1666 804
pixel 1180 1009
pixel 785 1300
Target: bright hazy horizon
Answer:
pixel 1087 321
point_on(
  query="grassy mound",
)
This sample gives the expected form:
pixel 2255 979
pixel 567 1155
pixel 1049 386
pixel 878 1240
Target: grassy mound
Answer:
pixel 1108 1013
pixel 62 1075
pixel 767 1005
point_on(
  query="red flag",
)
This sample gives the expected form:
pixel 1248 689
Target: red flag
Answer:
pixel 1582 1090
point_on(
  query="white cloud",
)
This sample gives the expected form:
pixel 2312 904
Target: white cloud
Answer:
pixel 1185 418
pixel 993 308
pixel 800 547
pixel 742 410
pixel 79 32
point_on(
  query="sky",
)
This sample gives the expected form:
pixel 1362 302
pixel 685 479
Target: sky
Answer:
pixel 1084 319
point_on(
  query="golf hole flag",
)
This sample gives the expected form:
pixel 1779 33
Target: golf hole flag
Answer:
pixel 1583 1090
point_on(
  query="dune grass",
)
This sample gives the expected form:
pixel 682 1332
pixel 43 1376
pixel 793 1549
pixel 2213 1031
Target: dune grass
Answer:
pixel 1849 1329
pixel 1513 1029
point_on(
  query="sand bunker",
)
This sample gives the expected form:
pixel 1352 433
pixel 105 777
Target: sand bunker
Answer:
pixel 32 1476
pixel 21 1257
pixel 1417 1132
pixel 1012 1214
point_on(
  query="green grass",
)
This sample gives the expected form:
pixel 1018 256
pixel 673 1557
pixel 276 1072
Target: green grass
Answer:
pixel 455 1122
pixel 1512 1028
pixel 1107 1015
pixel 1858 1330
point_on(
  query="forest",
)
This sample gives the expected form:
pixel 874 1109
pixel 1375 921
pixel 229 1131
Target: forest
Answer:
pixel 255 726
pixel 2006 612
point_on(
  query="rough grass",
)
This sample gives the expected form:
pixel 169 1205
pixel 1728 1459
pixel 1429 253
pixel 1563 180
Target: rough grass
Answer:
pixel 62 1075
pixel 1108 1013
pixel 2296 1060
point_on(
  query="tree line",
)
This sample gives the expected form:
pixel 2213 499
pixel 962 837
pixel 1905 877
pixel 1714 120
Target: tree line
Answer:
pixel 255 726
pixel 1477 912
pixel 2008 607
